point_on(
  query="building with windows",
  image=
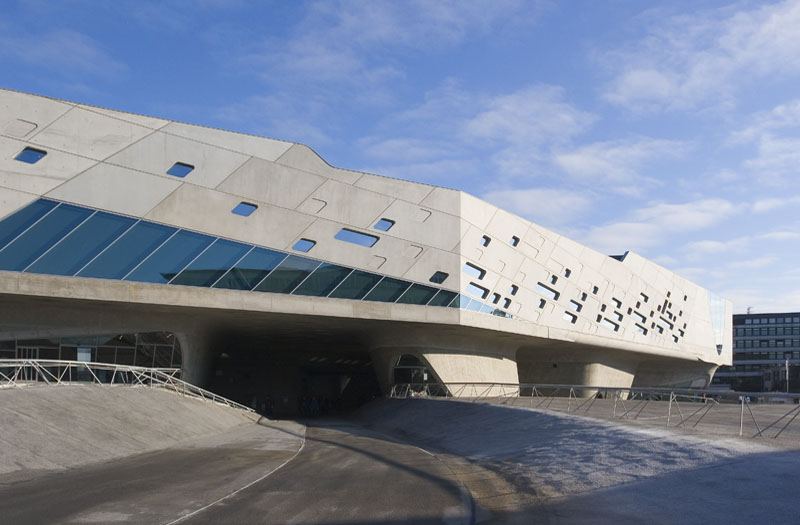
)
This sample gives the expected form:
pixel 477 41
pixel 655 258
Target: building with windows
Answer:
pixel 282 276
pixel 762 343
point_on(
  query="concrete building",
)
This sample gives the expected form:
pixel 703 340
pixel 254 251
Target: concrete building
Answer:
pixel 275 269
pixel 762 343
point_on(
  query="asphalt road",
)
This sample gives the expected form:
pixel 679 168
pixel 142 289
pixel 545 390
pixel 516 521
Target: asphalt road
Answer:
pixel 342 474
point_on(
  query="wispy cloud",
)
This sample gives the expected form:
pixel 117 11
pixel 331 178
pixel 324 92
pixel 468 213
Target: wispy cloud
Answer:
pixel 550 207
pixel 703 57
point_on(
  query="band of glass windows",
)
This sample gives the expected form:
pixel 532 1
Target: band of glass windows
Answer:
pixel 56 238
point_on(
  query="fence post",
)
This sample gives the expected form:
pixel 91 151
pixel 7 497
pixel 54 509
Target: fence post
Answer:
pixel 741 416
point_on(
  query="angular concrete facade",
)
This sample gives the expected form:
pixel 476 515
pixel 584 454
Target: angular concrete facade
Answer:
pixel 395 268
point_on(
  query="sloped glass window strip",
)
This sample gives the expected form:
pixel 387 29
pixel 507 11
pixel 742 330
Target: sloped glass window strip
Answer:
pixel 356 285
pixel 212 263
pixel 171 257
pixel 82 244
pixel 12 226
pixel 26 248
pixel 418 294
pixel 106 245
pixel 388 290
pixel 323 280
pixel 128 251
pixel 288 274
pixel 251 270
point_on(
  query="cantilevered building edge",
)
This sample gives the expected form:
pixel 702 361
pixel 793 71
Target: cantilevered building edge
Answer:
pixel 114 222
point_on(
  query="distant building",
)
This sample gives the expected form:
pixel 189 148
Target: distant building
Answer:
pixel 761 344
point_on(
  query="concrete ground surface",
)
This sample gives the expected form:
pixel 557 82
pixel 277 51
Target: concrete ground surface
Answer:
pixel 560 468
pixel 392 462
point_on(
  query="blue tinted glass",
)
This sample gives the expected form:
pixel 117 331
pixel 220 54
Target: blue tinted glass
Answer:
pixel 461 301
pixel 474 305
pixel 303 245
pixel 384 225
pixel 356 285
pixel 443 298
pixel 388 290
pixel 129 250
pixel 30 155
pixel 80 246
pixel 41 236
pixel 244 209
pixel 212 264
pixel 15 224
pixel 362 239
pixel 288 275
pixel 179 169
pixel 323 280
pixel 418 294
pixel 251 270
pixel 171 258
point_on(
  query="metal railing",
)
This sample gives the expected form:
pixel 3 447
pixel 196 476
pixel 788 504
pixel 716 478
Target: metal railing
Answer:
pixel 767 414
pixel 19 373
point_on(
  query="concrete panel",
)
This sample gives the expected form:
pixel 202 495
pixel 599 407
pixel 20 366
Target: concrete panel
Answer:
pixel 205 210
pixel 12 200
pixel 139 120
pixel 432 261
pixel 350 205
pixel 401 189
pixel 272 183
pixel 452 367
pixel 23 115
pixel 263 148
pixel 158 152
pixel 28 183
pixel 304 158
pixel 55 165
pixel 481 213
pixel 439 230
pixel 89 134
pixel 116 189
pixel 444 200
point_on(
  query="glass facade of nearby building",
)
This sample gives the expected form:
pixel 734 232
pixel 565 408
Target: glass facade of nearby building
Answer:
pixel 57 238
pixel 761 342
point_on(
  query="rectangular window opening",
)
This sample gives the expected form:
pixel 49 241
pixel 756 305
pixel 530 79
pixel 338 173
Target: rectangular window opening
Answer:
pixel 30 155
pixel 542 302
pixel 575 305
pixel 546 290
pixel 514 240
pixel 439 277
pixel 474 271
pixel 384 225
pixel 477 291
pixel 245 209
pixel 485 240
pixel 513 289
pixel 495 298
pixel 303 245
pixel 506 303
pixel 611 325
pixel 354 237
pixel 567 272
pixel 569 316
pixel 180 169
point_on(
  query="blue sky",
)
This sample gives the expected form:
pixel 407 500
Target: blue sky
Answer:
pixel 671 129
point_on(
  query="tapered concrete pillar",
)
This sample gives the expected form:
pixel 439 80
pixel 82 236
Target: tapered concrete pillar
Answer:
pixel 197 358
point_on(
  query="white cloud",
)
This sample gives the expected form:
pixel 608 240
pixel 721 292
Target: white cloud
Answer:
pixel 549 207
pixel 783 116
pixel 689 59
pixel 758 262
pixel 771 204
pixel 777 161
pixel 618 163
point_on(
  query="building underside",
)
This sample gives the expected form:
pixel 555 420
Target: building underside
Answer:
pixel 284 278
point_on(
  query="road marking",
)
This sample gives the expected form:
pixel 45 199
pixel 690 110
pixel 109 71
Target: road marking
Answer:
pixel 223 498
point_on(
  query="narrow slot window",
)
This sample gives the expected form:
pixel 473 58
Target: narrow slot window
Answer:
pixel 595 289
pixel 244 209
pixel 354 237
pixel 180 169
pixel 495 298
pixel 506 303
pixel 30 155
pixel 567 272
pixel 553 279
pixel 303 245
pixel 513 289
pixel 485 240
pixel 542 302
pixel 477 291
pixel 473 271
pixel 384 225
pixel 514 240
pixel 439 277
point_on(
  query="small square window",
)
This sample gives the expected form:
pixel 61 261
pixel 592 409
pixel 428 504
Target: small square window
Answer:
pixel 485 240
pixel 30 155
pixel 514 240
pixel 303 245
pixel 244 209
pixel 439 277
pixel 179 169
pixel 384 225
